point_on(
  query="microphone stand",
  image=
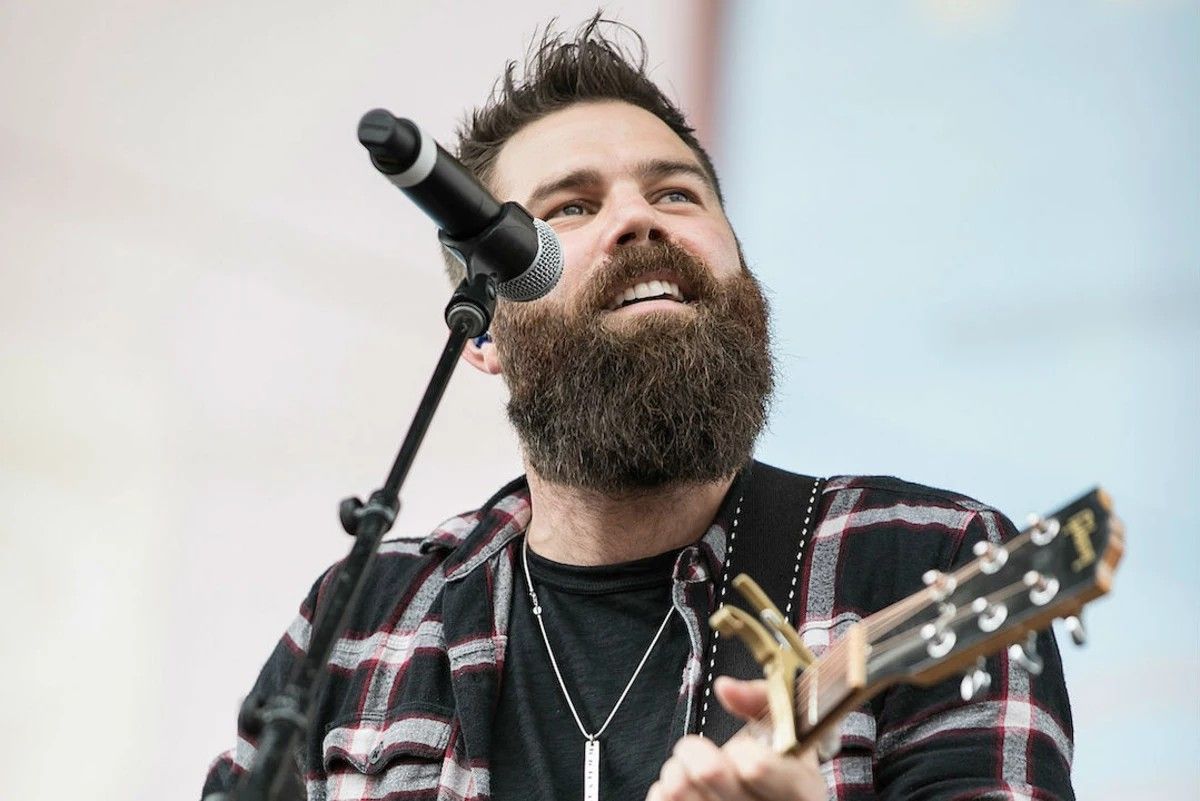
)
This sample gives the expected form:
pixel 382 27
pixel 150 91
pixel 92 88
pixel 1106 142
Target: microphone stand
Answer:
pixel 280 721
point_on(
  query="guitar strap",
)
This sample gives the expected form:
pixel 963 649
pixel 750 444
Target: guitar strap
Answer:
pixel 767 540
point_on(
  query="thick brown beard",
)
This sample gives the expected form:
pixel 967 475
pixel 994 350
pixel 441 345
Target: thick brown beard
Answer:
pixel 618 406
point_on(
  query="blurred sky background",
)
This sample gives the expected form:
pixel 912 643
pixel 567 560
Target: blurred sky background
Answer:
pixel 979 223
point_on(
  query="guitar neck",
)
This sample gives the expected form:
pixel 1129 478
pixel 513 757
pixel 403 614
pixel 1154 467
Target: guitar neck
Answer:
pixel 829 688
pixel 1050 570
pixel 833 685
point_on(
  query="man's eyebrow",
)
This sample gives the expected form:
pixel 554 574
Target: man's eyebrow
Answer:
pixel 572 180
pixel 665 168
pixel 651 170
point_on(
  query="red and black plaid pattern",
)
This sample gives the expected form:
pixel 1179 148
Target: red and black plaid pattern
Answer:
pixel 407 712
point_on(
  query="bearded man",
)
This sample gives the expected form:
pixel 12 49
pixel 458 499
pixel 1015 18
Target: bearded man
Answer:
pixel 563 626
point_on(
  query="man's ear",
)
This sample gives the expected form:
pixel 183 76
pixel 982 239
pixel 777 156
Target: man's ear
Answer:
pixel 481 354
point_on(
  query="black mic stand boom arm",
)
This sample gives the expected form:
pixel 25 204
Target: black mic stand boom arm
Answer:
pixel 280 721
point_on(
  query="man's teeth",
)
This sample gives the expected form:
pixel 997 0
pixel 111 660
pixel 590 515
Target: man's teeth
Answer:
pixel 647 289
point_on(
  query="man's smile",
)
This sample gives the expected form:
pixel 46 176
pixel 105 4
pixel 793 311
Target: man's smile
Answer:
pixel 647 293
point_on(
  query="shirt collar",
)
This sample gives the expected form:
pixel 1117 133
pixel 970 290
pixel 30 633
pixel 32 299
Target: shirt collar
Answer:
pixel 705 560
pixel 475 537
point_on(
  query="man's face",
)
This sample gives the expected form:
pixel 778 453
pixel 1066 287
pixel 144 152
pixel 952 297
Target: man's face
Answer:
pixel 648 364
pixel 609 176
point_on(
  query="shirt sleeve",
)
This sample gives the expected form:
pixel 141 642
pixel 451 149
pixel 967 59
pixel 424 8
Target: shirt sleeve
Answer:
pixel 1012 742
pixel 224 771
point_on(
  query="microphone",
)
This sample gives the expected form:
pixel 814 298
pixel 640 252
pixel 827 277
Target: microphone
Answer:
pixel 500 239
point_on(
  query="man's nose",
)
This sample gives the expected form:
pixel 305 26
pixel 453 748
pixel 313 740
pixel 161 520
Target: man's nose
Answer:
pixel 633 221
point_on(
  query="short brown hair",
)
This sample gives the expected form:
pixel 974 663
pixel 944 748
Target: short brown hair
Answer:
pixel 558 73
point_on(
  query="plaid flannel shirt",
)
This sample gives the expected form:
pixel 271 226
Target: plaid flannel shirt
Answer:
pixel 407 712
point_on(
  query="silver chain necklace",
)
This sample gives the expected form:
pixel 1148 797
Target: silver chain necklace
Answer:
pixel 591 749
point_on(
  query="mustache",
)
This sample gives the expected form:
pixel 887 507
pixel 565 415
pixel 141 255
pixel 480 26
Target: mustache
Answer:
pixel 631 263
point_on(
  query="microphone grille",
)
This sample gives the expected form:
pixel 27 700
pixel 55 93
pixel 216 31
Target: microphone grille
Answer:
pixel 541 276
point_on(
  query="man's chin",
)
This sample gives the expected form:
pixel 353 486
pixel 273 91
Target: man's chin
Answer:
pixel 636 398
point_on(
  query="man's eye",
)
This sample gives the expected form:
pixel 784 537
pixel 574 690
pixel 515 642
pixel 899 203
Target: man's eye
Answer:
pixel 569 210
pixel 677 196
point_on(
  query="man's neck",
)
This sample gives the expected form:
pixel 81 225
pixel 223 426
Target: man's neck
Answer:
pixel 582 527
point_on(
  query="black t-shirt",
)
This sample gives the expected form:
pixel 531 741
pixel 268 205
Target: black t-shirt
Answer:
pixel 600 621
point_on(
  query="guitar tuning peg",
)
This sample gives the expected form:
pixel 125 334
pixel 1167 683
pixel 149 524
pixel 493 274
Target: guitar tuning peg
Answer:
pixel 1076 629
pixel 1042 531
pixel 975 682
pixel 1026 655
pixel 991 615
pixel 1042 589
pixel 991 556
pixel 938 641
pixel 941 583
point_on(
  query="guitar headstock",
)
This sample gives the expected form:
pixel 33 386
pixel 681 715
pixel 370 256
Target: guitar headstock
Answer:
pixel 1050 570
pixel 1008 593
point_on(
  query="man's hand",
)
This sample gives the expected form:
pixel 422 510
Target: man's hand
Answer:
pixel 743 768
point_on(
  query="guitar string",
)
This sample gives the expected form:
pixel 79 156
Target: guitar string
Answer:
pixel 831 661
pixel 1005 593
pixel 832 667
pixel 893 616
pixel 913 604
pixel 836 658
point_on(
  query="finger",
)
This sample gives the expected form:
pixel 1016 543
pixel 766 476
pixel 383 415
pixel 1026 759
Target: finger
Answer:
pixel 768 775
pixel 674 784
pixel 744 699
pixel 708 768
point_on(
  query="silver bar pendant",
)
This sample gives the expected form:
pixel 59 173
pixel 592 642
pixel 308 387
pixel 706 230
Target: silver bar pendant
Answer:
pixel 591 770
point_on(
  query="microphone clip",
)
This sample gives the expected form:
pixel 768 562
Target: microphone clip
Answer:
pixel 489 250
pixel 472 305
pixel 514 237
